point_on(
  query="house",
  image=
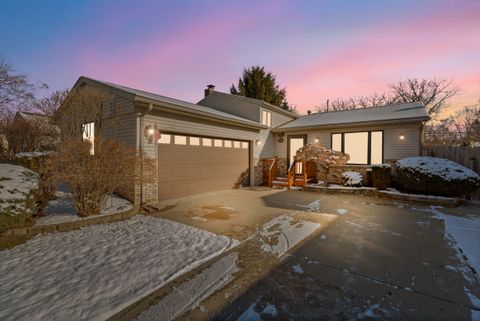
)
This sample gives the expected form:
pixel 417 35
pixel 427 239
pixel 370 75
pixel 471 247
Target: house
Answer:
pixel 226 141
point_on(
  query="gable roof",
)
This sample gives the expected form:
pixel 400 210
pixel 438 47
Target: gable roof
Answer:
pixel 225 98
pixel 176 104
pixel 29 116
pixel 388 113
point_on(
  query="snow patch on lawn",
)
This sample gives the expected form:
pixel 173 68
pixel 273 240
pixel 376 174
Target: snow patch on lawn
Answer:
pixel 95 272
pixel 476 302
pixel 16 185
pixel 284 232
pixel 193 291
pixel 342 211
pixel 61 209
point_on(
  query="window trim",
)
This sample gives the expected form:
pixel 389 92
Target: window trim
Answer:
pixel 369 144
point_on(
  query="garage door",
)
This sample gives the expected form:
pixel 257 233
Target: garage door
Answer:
pixel 190 164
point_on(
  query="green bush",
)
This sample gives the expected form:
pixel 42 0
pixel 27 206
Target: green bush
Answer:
pixel 436 176
pixel 381 176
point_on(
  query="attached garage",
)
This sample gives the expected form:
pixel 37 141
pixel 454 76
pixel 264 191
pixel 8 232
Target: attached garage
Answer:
pixel 191 164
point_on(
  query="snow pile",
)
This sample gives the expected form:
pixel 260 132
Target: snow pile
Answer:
pixel 62 210
pixel 434 166
pixel 16 185
pixel 352 178
pixel 284 232
pixel 95 272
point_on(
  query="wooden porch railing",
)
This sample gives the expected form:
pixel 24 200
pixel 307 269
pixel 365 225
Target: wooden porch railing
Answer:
pixel 300 172
pixel 269 175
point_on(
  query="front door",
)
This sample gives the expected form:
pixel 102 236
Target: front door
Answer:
pixel 294 143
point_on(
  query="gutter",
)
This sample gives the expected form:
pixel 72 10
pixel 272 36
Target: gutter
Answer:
pixel 199 114
pixel 353 124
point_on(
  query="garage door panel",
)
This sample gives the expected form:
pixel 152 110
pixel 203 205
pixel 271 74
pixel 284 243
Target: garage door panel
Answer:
pixel 185 169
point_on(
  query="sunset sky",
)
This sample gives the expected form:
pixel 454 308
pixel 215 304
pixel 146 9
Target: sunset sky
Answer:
pixel 317 49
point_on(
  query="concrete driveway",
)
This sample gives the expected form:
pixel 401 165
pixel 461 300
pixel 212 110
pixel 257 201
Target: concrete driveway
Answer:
pixel 379 260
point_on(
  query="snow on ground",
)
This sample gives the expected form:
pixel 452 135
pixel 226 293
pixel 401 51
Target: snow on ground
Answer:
pixel 190 293
pixel 33 154
pixel 341 211
pixel 352 178
pixel 16 185
pixel 465 232
pixel 95 272
pixel 445 168
pixel 61 209
pixel 284 232
pixel 312 207
pixel 297 269
pixel 251 315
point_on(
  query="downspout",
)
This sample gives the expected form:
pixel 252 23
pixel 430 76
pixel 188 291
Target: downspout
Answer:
pixel 140 122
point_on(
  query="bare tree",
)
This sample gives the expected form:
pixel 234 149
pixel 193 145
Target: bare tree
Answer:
pixel 434 93
pixel 466 124
pixel 49 105
pixel 15 88
pixel 374 100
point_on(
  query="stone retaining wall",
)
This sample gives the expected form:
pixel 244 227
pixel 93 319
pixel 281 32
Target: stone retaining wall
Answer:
pixel 70 226
pixel 334 174
pixel 370 191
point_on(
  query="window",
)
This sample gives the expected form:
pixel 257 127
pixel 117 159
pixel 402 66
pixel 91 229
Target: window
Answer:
pixel 180 140
pixel 362 147
pixel 194 141
pixel 266 118
pixel 236 144
pixel 165 139
pixel 227 143
pixel 88 133
pixel 337 142
pixel 206 142
pixel 217 142
pixel 244 145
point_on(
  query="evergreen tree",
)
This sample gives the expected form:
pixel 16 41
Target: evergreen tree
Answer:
pixel 256 83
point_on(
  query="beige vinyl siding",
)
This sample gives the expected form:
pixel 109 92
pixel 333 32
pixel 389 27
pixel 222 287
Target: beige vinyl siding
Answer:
pixel 268 148
pixel 394 148
pixel 174 123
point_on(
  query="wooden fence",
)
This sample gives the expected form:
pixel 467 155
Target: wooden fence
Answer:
pixel 467 156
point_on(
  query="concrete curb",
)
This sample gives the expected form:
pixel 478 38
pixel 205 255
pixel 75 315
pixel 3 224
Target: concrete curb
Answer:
pixel 410 198
pixel 70 226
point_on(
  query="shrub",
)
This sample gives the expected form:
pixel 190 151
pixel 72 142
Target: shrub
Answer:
pixel 381 176
pixel 16 202
pixel 93 177
pixel 352 179
pixel 437 176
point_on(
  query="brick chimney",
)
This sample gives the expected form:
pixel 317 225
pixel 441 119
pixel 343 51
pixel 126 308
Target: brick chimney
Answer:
pixel 210 88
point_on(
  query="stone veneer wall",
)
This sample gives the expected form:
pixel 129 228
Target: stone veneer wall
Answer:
pixel 334 175
pixel 258 172
pixel 282 167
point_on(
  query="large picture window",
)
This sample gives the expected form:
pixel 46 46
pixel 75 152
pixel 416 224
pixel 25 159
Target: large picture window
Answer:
pixel 362 147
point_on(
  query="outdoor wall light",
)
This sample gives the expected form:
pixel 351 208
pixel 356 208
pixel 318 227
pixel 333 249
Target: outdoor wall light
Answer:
pixel 151 133
pixel 316 140
pixel 401 137
pixel 258 142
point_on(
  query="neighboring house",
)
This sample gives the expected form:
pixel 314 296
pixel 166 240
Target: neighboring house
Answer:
pixel 221 141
